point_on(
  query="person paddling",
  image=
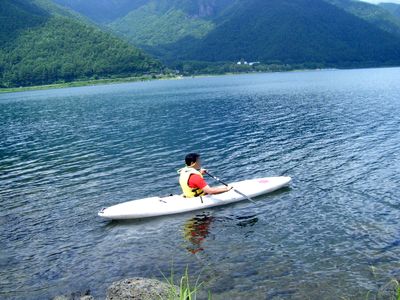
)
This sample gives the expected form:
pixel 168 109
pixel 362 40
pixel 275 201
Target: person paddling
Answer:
pixel 191 179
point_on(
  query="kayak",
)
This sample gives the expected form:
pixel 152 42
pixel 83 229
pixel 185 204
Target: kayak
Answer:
pixel 175 204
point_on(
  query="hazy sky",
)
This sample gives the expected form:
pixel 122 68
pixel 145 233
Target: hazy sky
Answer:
pixel 378 1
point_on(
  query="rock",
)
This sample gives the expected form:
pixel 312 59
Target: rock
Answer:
pixel 139 289
pixel 76 296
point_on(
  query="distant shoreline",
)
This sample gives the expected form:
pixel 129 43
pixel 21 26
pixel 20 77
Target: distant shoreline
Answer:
pixel 109 81
pixel 106 81
pixel 94 82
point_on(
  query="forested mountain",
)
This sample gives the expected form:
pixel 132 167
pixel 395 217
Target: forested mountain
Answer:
pixel 393 8
pixel 44 42
pixel 374 14
pixel 102 11
pixel 167 21
pixel 41 43
pixel 153 22
pixel 293 31
pixel 327 32
pixel 107 11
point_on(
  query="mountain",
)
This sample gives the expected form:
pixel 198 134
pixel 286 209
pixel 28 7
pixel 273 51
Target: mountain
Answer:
pixel 102 11
pixel 106 11
pixel 42 43
pixel 393 8
pixel 298 33
pixel 292 32
pixel 374 14
pixel 165 21
pixel 152 22
pixel 328 32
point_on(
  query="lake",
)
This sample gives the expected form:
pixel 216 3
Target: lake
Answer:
pixel 335 232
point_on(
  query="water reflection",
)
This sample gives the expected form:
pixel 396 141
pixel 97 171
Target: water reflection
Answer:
pixel 196 230
pixel 247 221
pixel 72 151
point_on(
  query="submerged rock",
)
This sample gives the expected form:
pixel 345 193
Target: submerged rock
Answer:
pixel 139 289
pixel 75 296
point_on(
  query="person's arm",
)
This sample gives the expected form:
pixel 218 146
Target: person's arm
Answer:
pixel 199 182
pixel 216 190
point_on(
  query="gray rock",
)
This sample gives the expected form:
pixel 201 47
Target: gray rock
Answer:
pixel 75 296
pixel 63 297
pixel 139 289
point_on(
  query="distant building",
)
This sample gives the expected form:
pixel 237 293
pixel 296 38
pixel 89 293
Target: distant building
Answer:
pixel 243 62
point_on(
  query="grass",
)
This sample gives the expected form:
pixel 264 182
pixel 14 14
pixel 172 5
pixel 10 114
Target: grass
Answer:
pixel 390 291
pixel 398 292
pixel 185 290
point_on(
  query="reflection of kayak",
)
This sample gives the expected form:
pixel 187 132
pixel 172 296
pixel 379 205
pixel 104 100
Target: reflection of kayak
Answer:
pixel 158 206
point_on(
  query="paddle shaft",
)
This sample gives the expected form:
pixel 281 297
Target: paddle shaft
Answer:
pixel 238 192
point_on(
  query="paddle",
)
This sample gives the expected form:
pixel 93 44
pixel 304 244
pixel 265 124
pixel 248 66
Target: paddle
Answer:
pixel 219 180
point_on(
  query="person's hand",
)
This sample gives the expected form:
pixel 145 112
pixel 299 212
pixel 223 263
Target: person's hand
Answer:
pixel 228 188
pixel 203 171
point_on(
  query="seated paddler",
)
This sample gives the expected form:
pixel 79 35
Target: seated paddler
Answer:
pixel 191 179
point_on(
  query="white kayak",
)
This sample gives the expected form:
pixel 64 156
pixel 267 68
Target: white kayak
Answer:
pixel 159 206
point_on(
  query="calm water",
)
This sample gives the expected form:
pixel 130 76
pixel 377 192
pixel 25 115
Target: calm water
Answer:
pixel 334 233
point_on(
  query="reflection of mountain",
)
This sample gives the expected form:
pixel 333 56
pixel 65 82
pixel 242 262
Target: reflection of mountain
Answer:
pixel 195 232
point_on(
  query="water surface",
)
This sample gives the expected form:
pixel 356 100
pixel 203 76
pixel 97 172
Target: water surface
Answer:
pixel 334 233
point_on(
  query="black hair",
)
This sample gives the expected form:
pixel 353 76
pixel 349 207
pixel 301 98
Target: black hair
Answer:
pixel 191 158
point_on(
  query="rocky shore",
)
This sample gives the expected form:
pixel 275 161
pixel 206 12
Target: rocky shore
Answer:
pixel 127 289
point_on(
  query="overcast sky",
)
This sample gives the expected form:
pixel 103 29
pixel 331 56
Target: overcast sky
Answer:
pixel 379 1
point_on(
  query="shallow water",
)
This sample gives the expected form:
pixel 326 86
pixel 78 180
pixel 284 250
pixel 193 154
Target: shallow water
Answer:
pixel 334 233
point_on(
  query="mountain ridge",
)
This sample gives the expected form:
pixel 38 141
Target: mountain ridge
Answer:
pixel 314 36
pixel 393 8
pixel 47 41
pixel 290 32
pixel 43 43
pixel 368 28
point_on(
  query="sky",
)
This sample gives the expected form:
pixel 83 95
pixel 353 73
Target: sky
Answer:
pixel 379 1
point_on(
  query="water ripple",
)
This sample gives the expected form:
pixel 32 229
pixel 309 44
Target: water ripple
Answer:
pixel 64 154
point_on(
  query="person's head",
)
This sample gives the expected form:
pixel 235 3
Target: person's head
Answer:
pixel 193 160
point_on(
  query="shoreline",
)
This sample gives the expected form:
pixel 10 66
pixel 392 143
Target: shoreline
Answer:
pixel 109 81
pixel 93 82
